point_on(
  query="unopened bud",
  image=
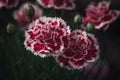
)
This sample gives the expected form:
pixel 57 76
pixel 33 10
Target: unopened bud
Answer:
pixel 30 11
pixel 89 27
pixel 77 19
pixel 11 28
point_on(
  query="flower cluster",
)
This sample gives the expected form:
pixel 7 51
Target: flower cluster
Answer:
pixel 100 15
pixel 21 17
pixel 52 37
pixel 8 3
pixel 58 4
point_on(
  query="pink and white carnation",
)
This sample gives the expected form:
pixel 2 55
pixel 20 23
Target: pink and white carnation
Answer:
pixel 100 15
pixel 63 4
pixel 46 3
pixel 80 48
pixel 8 3
pixel 44 36
pixel 57 4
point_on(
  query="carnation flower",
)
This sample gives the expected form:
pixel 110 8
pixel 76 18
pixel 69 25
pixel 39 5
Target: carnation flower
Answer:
pixel 80 49
pixel 46 3
pixel 3 3
pixel 100 15
pixel 65 4
pixel 21 17
pixel 69 4
pixel 44 36
pixel 57 4
pixel 8 3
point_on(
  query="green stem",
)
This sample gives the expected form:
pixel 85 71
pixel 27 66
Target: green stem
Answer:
pixel 62 13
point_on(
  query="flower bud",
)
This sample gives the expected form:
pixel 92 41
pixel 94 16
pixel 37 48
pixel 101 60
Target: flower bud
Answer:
pixel 30 11
pixel 77 18
pixel 11 28
pixel 89 27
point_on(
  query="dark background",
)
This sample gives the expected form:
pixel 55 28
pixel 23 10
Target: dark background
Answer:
pixel 18 64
